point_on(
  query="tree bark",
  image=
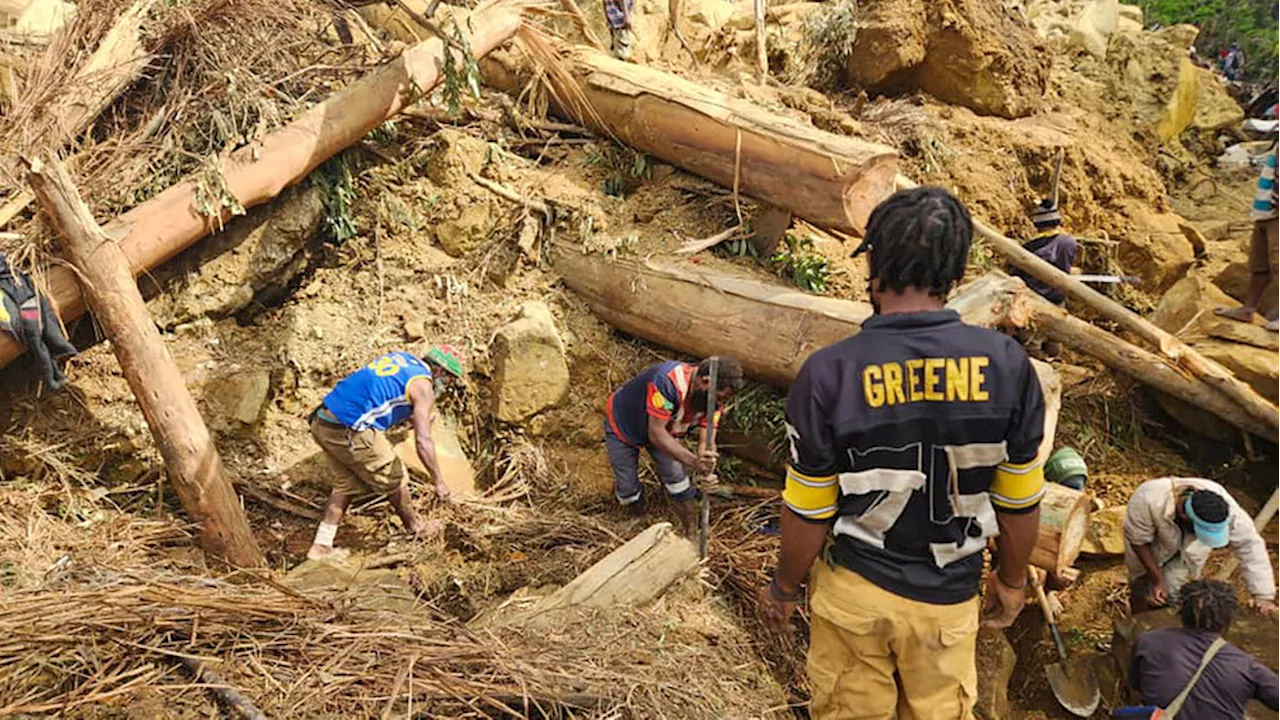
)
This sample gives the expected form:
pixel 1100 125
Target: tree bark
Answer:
pixel 1064 520
pixel 833 181
pixel 167 224
pixel 190 458
pixel 1261 410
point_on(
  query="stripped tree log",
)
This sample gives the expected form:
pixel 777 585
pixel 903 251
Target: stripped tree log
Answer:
pixel 192 461
pixel 831 180
pixel 165 225
pixel 633 575
pixel 1064 520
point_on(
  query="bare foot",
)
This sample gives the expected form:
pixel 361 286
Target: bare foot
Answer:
pixel 1274 325
pixel 1241 314
pixel 324 552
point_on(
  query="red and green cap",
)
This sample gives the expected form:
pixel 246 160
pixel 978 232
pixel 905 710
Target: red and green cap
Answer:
pixel 447 357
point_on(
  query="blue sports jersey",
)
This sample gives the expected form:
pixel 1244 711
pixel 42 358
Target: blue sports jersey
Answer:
pixel 377 395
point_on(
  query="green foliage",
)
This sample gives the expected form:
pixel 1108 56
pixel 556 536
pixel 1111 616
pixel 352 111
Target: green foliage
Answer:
pixel 760 410
pixel 798 261
pixel 460 80
pixel 829 35
pixel 626 168
pixel 1252 23
pixel 337 193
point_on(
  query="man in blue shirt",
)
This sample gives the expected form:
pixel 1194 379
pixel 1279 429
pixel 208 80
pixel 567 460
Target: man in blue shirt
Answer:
pixel 351 425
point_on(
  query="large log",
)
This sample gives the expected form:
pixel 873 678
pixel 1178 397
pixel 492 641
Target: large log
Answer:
pixel 830 180
pixel 1064 520
pixel 190 458
pixel 165 225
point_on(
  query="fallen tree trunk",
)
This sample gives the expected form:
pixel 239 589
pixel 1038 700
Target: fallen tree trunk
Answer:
pixel 160 228
pixel 1064 520
pixel 1214 375
pixel 190 457
pixel 635 574
pixel 1029 310
pixel 831 180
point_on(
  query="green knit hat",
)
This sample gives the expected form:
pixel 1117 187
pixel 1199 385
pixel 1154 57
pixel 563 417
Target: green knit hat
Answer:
pixel 1066 467
pixel 447 357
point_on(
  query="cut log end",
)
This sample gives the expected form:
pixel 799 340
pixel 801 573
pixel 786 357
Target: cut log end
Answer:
pixel 1064 521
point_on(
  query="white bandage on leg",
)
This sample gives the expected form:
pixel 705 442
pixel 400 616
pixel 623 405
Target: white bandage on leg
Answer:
pixel 325 533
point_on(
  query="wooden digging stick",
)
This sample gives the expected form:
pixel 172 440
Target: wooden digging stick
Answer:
pixel 704 523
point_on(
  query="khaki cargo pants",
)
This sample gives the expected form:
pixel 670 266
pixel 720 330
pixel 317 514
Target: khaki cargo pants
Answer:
pixel 363 460
pixel 877 655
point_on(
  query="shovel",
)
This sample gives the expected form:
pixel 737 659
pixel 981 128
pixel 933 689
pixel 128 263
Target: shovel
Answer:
pixel 1079 695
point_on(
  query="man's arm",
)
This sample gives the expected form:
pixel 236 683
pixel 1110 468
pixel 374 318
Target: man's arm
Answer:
pixel 1265 685
pixel 802 540
pixel 663 440
pixel 1148 559
pixel 424 403
pixel 1251 549
pixel 1018 533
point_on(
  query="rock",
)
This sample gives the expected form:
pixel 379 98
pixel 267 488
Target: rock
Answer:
pixel 975 53
pixel 769 224
pixel 458 472
pixel 530 371
pixel 1094 26
pixel 1106 532
pixel 996 662
pixel 236 400
pixel 1234 281
pixel 1215 108
pixel 415 328
pixel 42 18
pixel 1247 350
pixel 257 255
pixel 462 234
pixel 1132 13
pixel 1154 247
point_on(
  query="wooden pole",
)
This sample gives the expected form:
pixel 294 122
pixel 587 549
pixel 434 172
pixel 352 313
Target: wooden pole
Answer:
pixel 169 223
pixel 189 456
pixel 1186 357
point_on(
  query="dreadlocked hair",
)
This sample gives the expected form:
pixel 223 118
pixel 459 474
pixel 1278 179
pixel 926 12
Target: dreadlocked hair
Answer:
pixel 1207 605
pixel 728 372
pixel 918 238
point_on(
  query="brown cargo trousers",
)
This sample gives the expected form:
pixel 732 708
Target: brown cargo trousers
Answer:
pixel 363 461
pixel 875 655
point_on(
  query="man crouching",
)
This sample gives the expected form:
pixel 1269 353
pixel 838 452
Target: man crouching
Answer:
pixel 654 410
pixel 351 428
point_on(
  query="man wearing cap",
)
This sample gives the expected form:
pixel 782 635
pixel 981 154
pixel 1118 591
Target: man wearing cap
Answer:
pixel 1170 526
pixel 1051 245
pixel 351 425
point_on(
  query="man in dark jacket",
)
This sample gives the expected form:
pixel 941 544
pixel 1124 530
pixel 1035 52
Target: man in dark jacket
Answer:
pixel 1051 245
pixel 1165 660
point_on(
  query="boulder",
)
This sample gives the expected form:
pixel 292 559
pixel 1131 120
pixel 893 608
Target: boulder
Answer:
pixel 530 371
pixel 1106 532
pixel 235 400
pixel 1234 281
pixel 460 235
pixel 1215 108
pixel 1132 13
pixel 1247 350
pixel 976 53
pixel 1154 247
pixel 458 472
pixel 257 255
pixel 996 662
pixel 1094 26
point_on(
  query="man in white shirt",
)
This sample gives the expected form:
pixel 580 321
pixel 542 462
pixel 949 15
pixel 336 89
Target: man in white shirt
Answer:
pixel 1170 527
